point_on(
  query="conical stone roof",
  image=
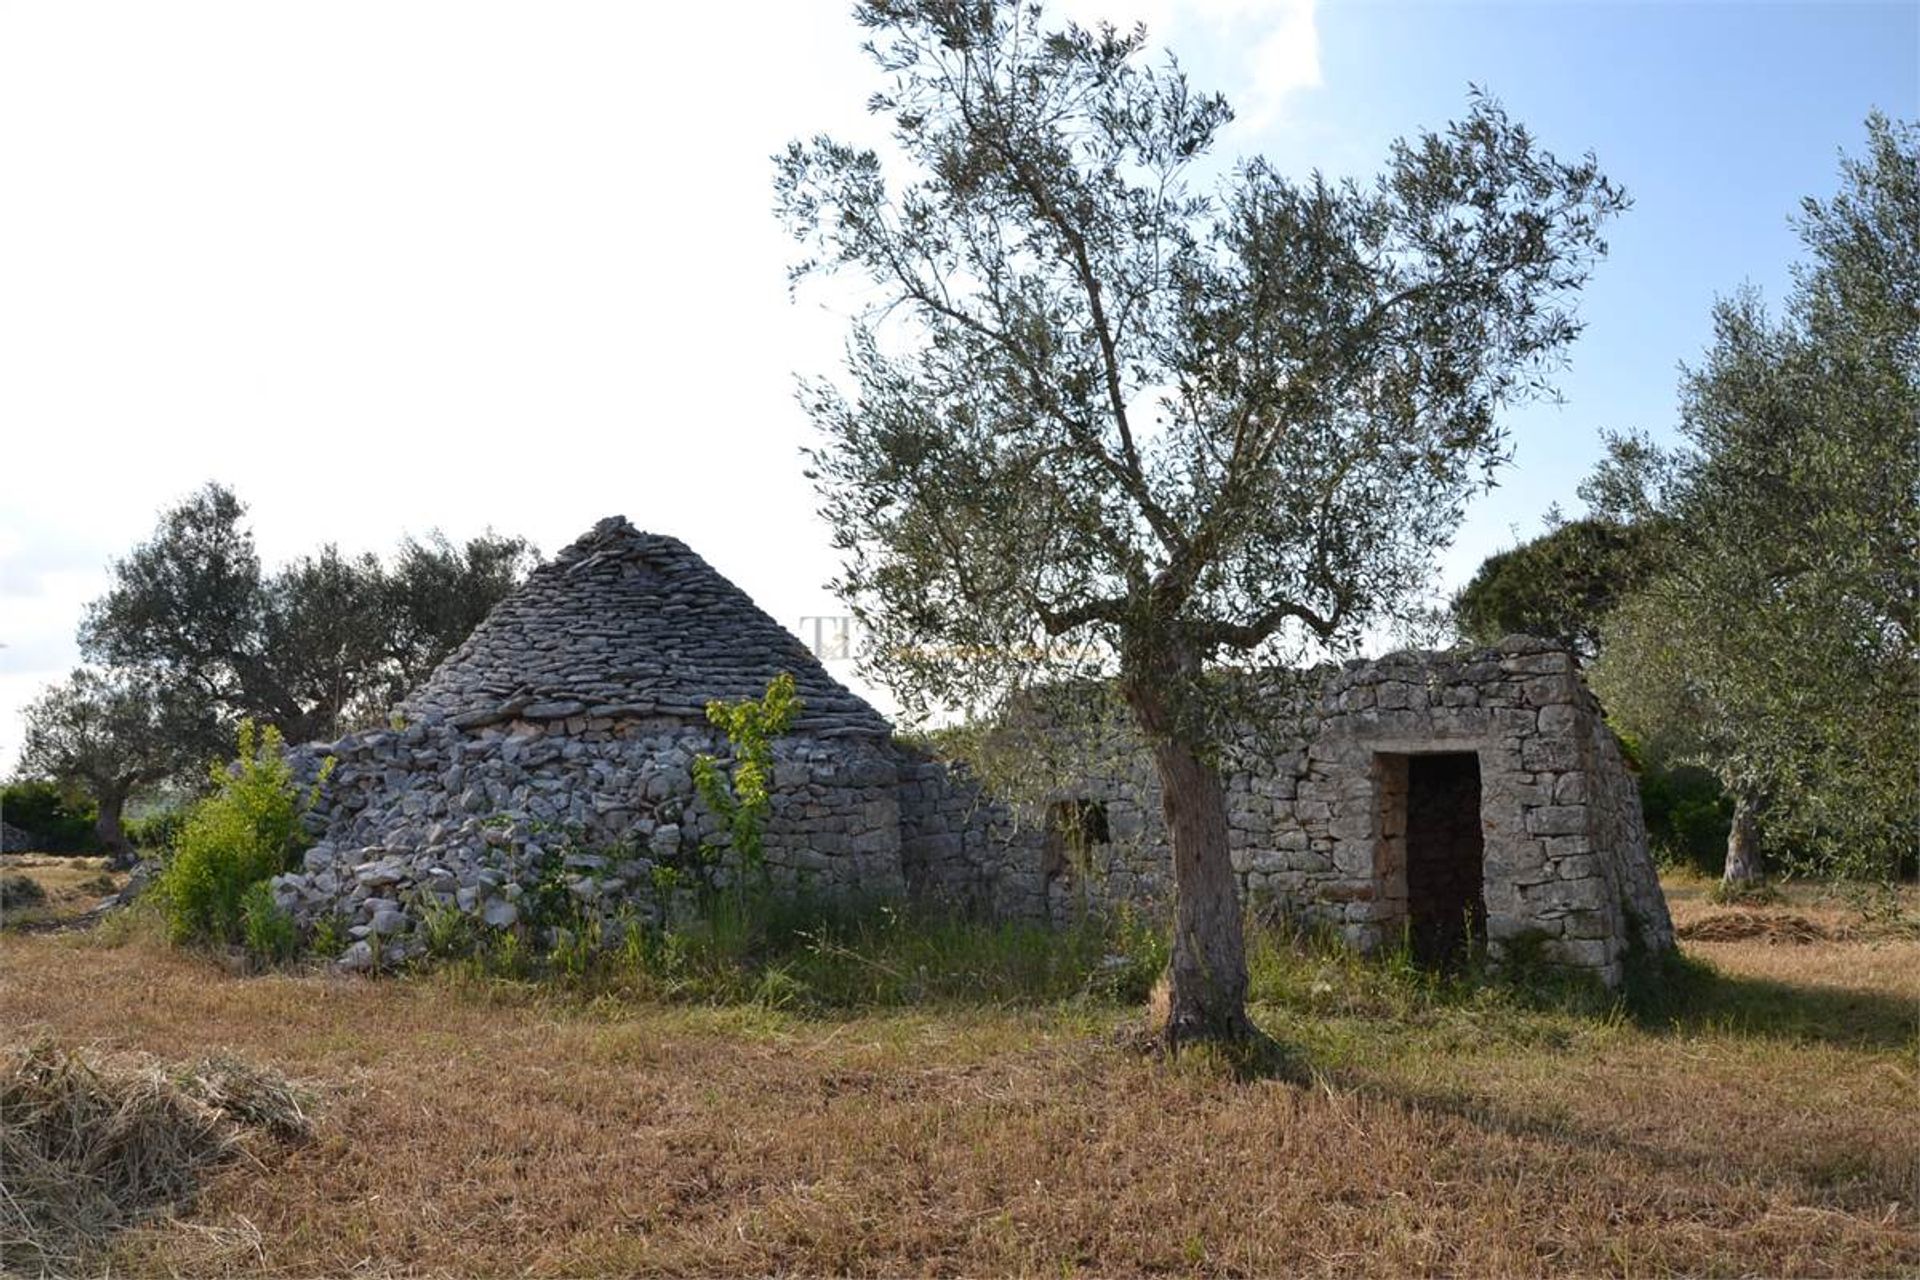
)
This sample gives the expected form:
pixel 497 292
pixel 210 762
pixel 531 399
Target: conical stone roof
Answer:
pixel 626 623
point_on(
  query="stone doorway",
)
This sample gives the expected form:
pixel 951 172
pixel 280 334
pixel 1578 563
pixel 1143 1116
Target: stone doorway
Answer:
pixel 1446 901
pixel 1430 864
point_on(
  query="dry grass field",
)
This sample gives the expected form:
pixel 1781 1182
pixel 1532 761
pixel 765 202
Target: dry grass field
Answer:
pixel 1766 1123
pixel 72 884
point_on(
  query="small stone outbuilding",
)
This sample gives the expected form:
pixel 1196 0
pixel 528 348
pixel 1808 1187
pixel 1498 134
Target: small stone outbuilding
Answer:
pixel 1438 799
pixel 1435 797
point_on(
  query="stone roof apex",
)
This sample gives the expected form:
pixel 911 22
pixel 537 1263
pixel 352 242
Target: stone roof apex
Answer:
pixel 627 623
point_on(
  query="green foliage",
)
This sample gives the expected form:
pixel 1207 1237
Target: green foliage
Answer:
pixel 59 817
pixel 329 937
pixel 449 932
pixel 1779 646
pixel 801 956
pixel 1560 585
pixel 157 832
pixel 245 832
pixel 112 731
pixel 1309 977
pixel 324 642
pixel 740 796
pixel 1104 422
pixel 1688 814
pixel 18 892
pixel 270 934
pixel 1325 359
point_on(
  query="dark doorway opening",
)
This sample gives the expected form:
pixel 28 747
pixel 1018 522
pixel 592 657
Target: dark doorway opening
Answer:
pixel 1074 827
pixel 1446 906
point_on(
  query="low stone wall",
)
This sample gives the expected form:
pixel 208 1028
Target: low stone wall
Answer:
pixel 476 820
pixel 960 849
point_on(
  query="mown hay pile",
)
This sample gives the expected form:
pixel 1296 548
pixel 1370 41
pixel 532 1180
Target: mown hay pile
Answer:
pixel 1740 926
pixel 88 1146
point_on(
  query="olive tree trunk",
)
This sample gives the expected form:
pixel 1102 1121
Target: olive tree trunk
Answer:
pixel 108 828
pixel 1743 843
pixel 1208 973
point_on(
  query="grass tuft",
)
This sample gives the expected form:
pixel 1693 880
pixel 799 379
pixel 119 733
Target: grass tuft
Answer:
pixel 815 958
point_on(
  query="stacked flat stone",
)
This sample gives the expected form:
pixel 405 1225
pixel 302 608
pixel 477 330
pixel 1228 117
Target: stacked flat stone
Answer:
pixel 626 624
pixel 556 745
pixel 1565 855
pixel 555 748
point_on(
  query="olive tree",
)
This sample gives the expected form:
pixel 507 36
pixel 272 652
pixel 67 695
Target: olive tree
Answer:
pixel 1779 647
pixel 111 733
pixel 1560 585
pixel 325 642
pixel 1102 418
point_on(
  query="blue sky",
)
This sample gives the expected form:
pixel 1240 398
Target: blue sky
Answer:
pixel 1718 118
pixel 387 265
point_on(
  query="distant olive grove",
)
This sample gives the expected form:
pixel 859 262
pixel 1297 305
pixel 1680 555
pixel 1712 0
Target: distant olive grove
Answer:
pixel 195 635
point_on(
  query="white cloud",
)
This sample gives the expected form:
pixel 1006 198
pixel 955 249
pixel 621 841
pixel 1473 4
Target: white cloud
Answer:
pixel 382 268
pixel 1274 45
pixel 1284 60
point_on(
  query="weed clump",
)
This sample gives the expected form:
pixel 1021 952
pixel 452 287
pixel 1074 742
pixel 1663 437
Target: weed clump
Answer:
pixel 230 844
pixel 18 892
pixel 801 955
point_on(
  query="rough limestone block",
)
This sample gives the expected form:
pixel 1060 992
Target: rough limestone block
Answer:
pixel 1557 820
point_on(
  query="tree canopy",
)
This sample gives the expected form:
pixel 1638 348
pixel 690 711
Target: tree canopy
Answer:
pixel 323 643
pixel 1102 421
pixel 1560 585
pixel 109 733
pixel 1779 647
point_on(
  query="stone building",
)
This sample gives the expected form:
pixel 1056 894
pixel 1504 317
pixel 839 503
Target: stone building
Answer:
pixel 554 748
pixel 1430 796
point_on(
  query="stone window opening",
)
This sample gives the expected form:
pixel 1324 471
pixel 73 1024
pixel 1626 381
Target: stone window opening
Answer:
pixel 1075 828
pixel 1432 847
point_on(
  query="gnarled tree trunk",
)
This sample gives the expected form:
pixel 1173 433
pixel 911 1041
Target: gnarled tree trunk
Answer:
pixel 1208 974
pixel 1743 843
pixel 111 800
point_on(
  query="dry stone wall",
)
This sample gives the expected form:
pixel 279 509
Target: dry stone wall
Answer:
pixel 491 821
pixel 1317 812
pixel 545 768
pixel 962 849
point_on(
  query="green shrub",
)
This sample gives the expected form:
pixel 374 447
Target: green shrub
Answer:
pixel 741 797
pixel 59 819
pixel 1688 816
pixel 157 832
pixel 330 937
pixel 269 932
pixel 804 956
pixel 18 892
pixel 245 832
pixel 450 933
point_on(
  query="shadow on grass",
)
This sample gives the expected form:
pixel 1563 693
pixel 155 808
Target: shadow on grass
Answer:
pixel 1683 995
pixel 1833 1179
pixel 1668 994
